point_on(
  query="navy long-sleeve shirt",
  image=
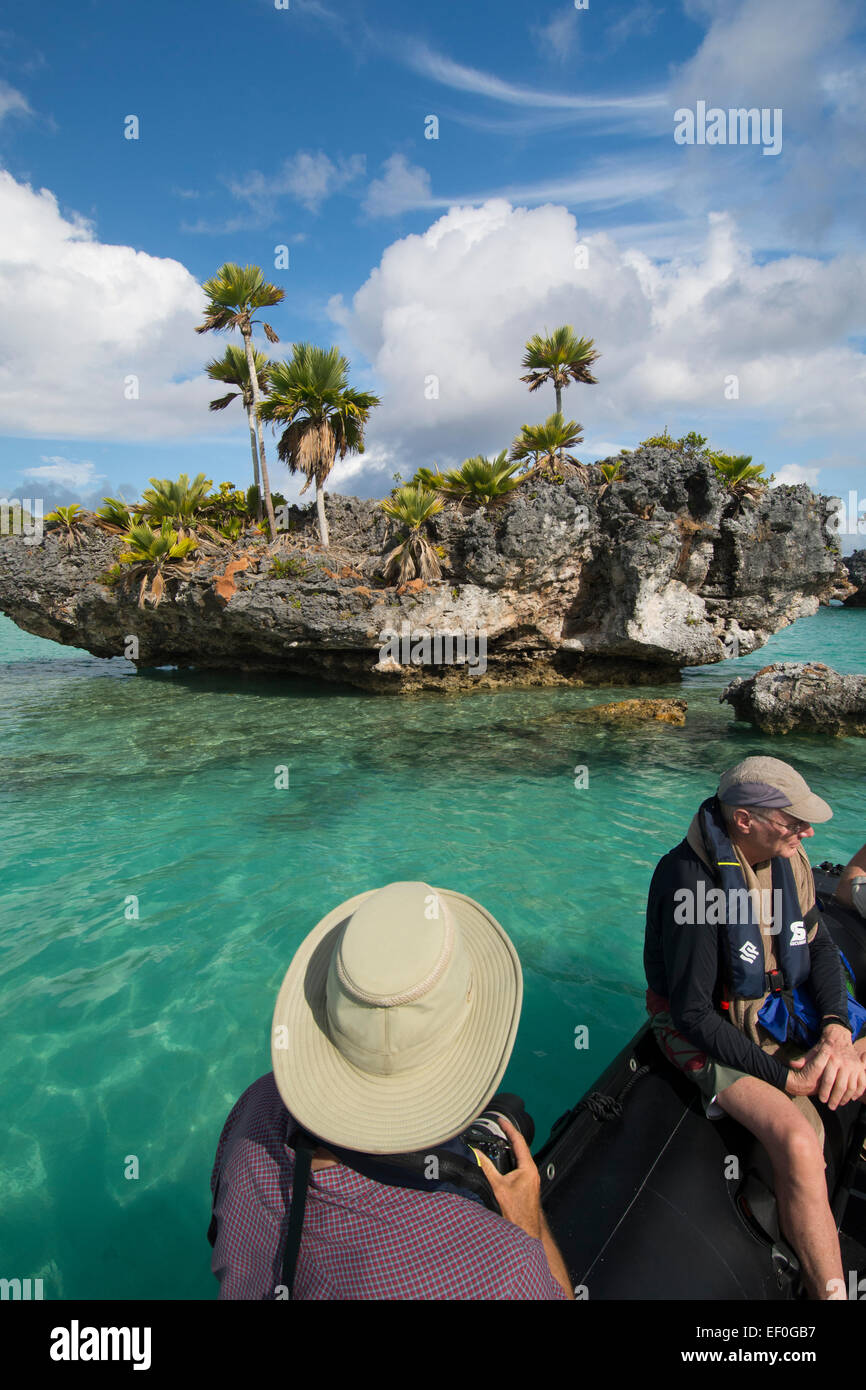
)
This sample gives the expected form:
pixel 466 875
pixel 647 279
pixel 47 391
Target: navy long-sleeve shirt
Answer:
pixel 686 964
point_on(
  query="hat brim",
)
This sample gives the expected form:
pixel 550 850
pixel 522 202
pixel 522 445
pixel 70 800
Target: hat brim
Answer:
pixel 811 808
pixel 407 1110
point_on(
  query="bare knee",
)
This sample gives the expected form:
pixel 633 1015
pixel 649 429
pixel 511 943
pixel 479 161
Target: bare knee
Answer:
pixel 797 1152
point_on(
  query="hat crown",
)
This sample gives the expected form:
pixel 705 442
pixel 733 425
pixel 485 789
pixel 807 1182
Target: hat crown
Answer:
pixel 396 945
pixel 770 783
pixel 399 983
pixel 769 772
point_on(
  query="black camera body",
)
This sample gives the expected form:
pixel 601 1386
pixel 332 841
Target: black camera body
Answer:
pixel 486 1132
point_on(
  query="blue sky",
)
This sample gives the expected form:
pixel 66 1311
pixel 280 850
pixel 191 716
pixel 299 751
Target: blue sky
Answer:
pixel 704 264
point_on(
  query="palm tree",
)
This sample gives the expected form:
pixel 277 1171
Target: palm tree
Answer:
pixel 561 358
pixel 479 480
pixel 150 552
pixel 739 474
pixel 321 413
pixel 72 520
pixel 115 515
pixel 234 295
pixel 545 445
pixel 180 502
pixel 412 507
pixel 232 369
pixel 612 473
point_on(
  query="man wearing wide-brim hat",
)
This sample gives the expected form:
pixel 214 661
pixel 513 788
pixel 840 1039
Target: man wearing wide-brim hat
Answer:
pixel 746 989
pixel 392 1028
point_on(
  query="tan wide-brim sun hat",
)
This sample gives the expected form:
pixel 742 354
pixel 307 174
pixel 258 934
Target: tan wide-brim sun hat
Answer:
pixel 396 1019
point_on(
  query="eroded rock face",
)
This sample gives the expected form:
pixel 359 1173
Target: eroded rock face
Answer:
pixel 565 583
pixel 856 566
pixel 804 695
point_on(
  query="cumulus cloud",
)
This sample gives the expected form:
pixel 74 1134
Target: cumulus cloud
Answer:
pixel 81 319
pixel 402 186
pixel 309 179
pixel 444 318
pixel 75 473
pixel 12 102
pixel 793 473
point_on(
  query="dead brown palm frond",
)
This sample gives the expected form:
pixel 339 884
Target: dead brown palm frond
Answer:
pixel 312 447
pixel 414 558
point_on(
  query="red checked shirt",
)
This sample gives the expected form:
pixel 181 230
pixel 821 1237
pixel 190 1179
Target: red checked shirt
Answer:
pixel 362 1240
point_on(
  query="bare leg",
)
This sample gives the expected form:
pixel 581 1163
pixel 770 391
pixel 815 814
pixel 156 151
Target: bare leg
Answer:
pixel 798 1169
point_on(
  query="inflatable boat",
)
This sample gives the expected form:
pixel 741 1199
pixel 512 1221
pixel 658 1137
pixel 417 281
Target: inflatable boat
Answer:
pixel 648 1199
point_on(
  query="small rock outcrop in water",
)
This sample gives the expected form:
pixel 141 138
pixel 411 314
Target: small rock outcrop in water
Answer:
pixel 805 695
pixel 562 583
pixel 856 567
pixel 630 712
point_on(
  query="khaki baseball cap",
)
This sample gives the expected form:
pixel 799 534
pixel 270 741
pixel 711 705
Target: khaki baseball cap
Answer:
pixel 396 1019
pixel 768 783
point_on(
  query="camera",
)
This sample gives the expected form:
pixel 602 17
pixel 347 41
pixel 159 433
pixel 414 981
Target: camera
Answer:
pixel 486 1132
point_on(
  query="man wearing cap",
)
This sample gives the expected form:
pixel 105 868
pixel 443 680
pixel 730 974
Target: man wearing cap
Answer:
pixel 392 1028
pixel 746 989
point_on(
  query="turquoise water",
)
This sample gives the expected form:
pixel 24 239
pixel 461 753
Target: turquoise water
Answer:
pixel 134 1036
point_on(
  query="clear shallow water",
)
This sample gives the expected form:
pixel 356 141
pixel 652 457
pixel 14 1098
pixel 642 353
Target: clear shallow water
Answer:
pixel 135 1036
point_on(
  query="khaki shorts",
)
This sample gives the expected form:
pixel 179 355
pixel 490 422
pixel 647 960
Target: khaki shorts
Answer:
pixel 711 1077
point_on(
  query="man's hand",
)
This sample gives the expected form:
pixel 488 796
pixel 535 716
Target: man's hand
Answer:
pixel 833 1070
pixel 518 1192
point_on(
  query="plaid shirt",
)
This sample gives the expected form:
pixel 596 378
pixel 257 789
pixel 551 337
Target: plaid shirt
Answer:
pixel 361 1240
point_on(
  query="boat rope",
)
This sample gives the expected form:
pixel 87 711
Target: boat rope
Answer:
pixel 647 1177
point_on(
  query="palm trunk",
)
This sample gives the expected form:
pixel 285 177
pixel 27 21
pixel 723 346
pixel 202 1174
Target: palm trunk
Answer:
pixel 250 419
pixel 323 520
pixel 262 455
pixel 558 406
pixel 254 383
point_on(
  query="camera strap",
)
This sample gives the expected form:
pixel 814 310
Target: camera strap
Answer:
pixel 303 1159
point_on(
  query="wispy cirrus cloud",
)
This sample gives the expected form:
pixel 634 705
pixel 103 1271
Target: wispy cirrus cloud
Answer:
pixel 558 38
pixel 423 59
pixel 640 21
pixel 406 187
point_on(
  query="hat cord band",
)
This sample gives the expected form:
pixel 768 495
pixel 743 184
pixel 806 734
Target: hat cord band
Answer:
pixel 389 1001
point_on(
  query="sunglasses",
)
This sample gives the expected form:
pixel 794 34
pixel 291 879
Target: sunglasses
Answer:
pixel 790 826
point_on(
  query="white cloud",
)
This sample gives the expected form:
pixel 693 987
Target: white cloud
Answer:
pixel 78 474
pixel 606 185
pixel 465 79
pixel 792 473
pixel 403 186
pixel 640 20
pixel 307 178
pixel 12 102
pixel 459 302
pixel 559 36
pixel 764 53
pixel 796 56
pixel 80 317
